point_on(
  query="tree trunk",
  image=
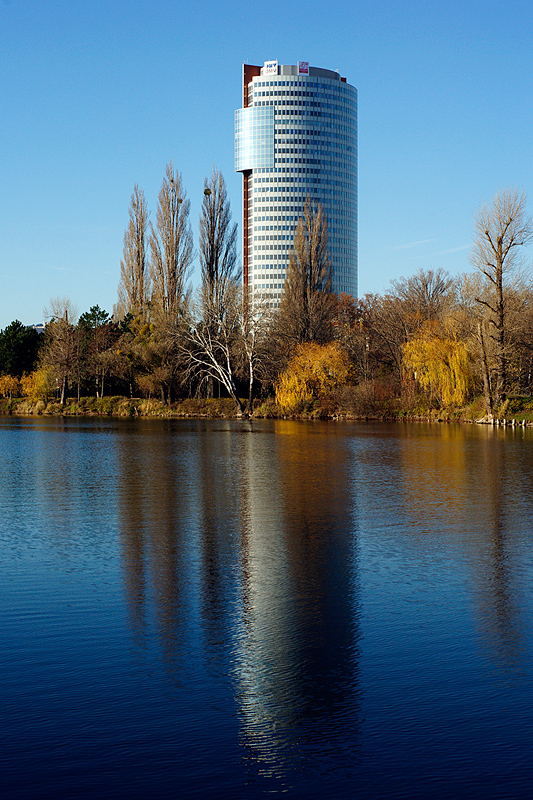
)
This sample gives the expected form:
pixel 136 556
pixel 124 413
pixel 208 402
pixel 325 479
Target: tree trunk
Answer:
pixel 487 391
pixel 250 386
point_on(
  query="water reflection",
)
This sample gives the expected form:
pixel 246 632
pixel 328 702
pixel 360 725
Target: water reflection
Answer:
pixel 315 608
pixel 156 485
pixel 460 494
pixel 297 658
pixel 248 539
pixel 497 591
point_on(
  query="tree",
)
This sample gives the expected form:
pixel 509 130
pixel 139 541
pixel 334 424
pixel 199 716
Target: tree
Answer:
pixel 213 321
pixel 313 371
pixel 424 295
pixel 97 335
pixel 352 332
pixel 253 345
pixel 133 288
pixel 440 364
pixel 397 316
pixel 218 238
pixel 60 351
pixel 218 262
pixel 307 304
pixel 500 230
pixel 38 385
pixel 171 247
pixel 9 385
pixel 19 347
pixel 210 336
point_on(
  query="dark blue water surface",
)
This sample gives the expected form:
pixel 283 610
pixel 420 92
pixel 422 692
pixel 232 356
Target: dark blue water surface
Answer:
pixel 252 609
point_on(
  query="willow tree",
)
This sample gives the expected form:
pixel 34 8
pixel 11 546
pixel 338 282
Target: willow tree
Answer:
pixel 501 229
pixel 313 371
pixel 440 365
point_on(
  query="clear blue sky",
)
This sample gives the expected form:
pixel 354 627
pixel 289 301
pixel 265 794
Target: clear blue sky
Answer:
pixel 96 97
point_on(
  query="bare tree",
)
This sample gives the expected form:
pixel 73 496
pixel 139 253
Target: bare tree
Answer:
pixel 215 306
pixel 425 295
pixel 171 246
pixel 253 346
pixel 398 315
pixel 60 351
pixel 210 337
pixel 133 288
pixel 500 229
pixel 218 238
pixel 307 304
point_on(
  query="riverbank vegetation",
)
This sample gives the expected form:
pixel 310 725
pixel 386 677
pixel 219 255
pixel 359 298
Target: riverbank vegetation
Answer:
pixel 431 346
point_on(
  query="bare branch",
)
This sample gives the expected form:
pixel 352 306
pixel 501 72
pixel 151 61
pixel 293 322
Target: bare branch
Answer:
pixel 171 246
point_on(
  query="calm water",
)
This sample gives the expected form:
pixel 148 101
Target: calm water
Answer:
pixel 199 608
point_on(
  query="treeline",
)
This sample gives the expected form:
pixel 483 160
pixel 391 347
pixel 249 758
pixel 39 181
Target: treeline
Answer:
pixel 431 342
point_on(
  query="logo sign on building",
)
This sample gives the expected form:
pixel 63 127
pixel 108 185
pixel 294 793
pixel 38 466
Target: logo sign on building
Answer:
pixel 303 67
pixel 270 68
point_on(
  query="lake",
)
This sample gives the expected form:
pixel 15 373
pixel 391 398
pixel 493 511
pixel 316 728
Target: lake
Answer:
pixel 199 608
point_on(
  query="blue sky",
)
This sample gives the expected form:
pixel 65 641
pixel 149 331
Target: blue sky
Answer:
pixel 96 97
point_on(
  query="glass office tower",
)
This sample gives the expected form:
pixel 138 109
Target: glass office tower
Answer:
pixel 296 137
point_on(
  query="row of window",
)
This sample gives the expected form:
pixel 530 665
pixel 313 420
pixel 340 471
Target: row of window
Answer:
pixel 307 175
pixel 337 87
pixel 326 134
pixel 301 106
pixel 295 93
pixel 327 165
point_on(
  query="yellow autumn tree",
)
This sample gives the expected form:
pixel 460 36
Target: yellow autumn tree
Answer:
pixel 9 386
pixel 313 371
pixel 440 365
pixel 37 385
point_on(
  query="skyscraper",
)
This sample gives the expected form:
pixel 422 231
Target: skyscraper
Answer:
pixel 296 137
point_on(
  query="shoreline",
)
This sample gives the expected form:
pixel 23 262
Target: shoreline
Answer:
pixel 224 408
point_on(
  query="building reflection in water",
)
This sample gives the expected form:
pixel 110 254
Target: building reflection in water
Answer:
pixel 296 667
pixel 240 557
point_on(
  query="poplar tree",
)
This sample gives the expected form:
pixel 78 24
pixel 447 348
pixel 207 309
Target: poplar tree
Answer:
pixel 133 289
pixel 171 247
pixel 217 241
pixel 307 303
pixel 212 331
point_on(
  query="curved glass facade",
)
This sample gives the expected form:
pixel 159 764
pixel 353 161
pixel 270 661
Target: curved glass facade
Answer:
pixel 306 148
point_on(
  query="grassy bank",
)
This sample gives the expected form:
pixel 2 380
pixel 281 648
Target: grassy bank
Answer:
pixel 339 405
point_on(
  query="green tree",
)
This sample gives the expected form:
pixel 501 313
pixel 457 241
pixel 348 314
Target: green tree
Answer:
pixel 98 335
pixel 19 348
